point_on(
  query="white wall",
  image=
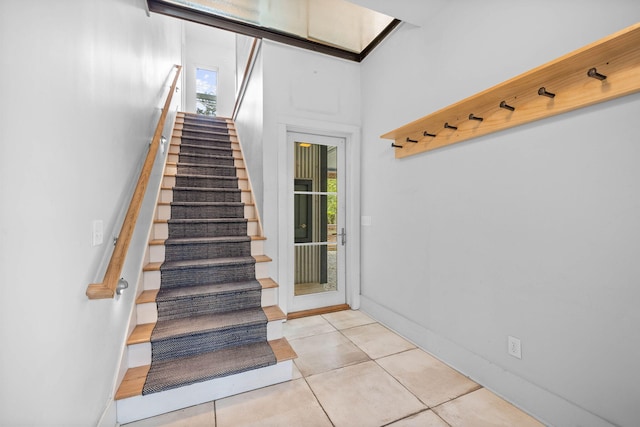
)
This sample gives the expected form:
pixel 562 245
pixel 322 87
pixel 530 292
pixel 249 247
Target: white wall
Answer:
pixel 212 49
pixel 300 87
pixel 531 232
pixel 82 84
pixel 249 126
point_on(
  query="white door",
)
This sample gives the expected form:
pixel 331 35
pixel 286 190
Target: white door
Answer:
pixel 318 221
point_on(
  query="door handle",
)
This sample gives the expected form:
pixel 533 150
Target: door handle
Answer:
pixel 343 236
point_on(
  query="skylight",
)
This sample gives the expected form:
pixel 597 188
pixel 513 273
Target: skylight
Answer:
pixel 343 28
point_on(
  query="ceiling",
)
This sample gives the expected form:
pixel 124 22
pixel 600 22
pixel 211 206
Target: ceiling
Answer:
pixel 335 27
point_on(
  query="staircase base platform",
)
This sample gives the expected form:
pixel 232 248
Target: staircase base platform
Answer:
pixel 137 407
pixel 140 407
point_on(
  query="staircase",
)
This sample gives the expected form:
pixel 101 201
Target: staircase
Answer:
pixel 207 321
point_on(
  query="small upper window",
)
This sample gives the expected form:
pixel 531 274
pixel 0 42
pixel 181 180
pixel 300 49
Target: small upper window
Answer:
pixel 206 91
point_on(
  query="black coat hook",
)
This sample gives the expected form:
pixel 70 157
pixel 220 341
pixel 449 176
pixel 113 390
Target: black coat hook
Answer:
pixel 396 145
pixel 472 117
pixel 542 91
pixel 411 140
pixel 425 133
pixel 595 74
pixel 447 126
pixel 504 105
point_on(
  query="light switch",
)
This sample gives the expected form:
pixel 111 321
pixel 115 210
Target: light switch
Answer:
pixel 97 236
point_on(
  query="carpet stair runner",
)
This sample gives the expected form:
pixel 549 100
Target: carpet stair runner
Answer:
pixel 207 320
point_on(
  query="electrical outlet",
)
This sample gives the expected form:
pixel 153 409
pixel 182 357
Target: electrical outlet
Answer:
pixel 514 347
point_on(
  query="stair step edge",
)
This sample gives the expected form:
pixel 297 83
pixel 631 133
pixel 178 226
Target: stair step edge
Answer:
pixel 142 333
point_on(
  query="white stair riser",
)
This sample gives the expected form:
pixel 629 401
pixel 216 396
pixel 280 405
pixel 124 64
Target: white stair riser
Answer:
pixel 241 172
pixel 257 247
pixel 163 212
pixel 269 297
pixel 252 228
pixel 168 181
pixel 156 253
pixel 151 280
pixel 239 163
pixel 140 354
pixel 161 231
pixel 147 313
pixel 249 211
pixel 174 149
pixel 246 197
pixel 171 170
pixel 274 330
pixel 166 196
pixel 140 407
pixel 262 270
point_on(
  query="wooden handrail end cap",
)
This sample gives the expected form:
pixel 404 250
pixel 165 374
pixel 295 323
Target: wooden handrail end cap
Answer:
pixel 99 291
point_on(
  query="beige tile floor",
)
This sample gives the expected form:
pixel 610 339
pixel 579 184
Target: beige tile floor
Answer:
pixel 352 371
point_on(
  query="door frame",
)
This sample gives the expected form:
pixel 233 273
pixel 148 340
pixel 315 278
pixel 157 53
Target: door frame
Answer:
pixel 285 273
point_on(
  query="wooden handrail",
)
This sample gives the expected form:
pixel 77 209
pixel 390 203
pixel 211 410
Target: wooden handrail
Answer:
pixel 107 288
pixel 245 77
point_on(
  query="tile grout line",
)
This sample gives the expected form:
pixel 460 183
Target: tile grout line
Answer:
pixel 318 400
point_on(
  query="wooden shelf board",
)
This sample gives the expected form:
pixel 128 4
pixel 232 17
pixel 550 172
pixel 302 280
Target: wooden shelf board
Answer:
pixel 616 56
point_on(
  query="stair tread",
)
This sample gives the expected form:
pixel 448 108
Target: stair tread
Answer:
pixel 209 262
pixel 147 296
pixel 184 144
pixel 262 258
pixel 190 240
pixel 165 329
pixel 135 378
pixel 202 204
pixel 133 382
pixel 152 266
pixel 210 156
pixel 194 175
pixel 141 334
pixel 273 313
pixel 204 220
pixel 268 283
pixel 206 289
pixel 207 189
pixel 282 350
pixel 186 326
pixel 187 164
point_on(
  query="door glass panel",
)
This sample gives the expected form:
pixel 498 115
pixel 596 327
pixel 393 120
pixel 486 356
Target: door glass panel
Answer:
pixel 315 223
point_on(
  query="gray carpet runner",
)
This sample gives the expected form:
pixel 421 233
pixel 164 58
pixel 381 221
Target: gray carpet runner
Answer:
pixel 210 321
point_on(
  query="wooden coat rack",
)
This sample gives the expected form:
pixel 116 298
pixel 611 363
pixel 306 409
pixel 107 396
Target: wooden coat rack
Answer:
pixel 601 71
